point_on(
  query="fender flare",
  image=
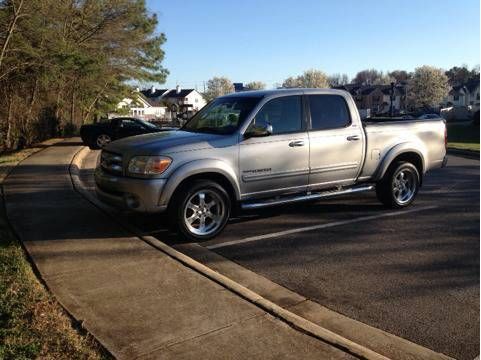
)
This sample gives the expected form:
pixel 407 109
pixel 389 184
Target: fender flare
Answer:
pixel 399 149
pixel 197 167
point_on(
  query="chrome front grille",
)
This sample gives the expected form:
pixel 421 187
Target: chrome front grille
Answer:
pixel 111 163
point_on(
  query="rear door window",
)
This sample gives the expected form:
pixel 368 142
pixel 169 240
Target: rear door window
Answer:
pixel 328 112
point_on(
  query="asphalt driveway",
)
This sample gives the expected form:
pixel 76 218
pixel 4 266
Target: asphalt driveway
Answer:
pixel 414 273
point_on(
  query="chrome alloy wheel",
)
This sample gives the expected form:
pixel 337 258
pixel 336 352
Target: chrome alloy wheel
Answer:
pixel 103 140
pixel 404 186
pixel 204 212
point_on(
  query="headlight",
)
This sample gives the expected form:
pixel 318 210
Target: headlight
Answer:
pixel 149 165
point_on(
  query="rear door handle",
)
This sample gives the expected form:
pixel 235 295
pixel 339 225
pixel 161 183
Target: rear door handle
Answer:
pixel 353 138
pixel 296 143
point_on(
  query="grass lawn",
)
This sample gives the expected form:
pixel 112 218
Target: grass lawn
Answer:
pixel 463 136
pixel 32 324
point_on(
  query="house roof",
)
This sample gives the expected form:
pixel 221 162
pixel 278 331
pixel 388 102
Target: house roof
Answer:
pixel 157 93
pixel 456 89
pixel 398 90
pixel 166 93
pixel 351 88
pixel 181 94
pixel 356 89
pixel 366 90
pixel 471 85
pixel 150 100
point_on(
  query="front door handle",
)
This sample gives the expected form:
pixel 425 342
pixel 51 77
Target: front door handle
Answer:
pixel 353 138
pixel 296 143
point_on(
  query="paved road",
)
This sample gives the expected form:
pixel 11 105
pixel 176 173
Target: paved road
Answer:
pixel 415 275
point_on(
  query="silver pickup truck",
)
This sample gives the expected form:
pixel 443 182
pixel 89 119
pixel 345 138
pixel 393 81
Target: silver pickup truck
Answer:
pixel 262 148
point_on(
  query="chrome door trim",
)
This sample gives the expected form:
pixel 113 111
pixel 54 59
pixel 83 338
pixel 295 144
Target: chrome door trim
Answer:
pixel 337 167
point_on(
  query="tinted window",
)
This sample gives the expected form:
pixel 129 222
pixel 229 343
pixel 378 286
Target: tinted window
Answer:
pixel 148 124
pixel 284 114
pixel 328 112
pixel 130 124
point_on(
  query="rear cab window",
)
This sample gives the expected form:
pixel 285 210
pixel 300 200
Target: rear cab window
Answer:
pixel 328 112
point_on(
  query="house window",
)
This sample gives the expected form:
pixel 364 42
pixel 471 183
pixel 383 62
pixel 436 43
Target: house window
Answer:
pixel 456 97
pixel 197 100
pixel 477 96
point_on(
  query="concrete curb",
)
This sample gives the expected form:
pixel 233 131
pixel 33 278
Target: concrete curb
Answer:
pixel 295 321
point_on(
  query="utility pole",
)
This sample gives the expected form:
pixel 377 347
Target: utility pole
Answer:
pixel 391 108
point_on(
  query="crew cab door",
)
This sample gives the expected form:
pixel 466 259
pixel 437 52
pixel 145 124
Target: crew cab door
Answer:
pixel 336 142
pixel 279 162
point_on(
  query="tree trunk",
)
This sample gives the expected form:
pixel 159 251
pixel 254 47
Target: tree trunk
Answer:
pixel 11 28
pixel 72 108
pixel 28 131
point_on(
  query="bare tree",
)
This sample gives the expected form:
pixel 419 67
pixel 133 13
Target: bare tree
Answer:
pixel 255 85
pixel 16 12
pixel 338 79
pixel 218 86
pixel 309 79
pixel 400 75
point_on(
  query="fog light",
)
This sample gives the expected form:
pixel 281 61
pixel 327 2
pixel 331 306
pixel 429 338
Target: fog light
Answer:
pixel 131 201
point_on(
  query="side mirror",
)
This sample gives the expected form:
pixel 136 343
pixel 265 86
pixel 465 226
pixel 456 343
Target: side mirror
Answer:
pixel 258 131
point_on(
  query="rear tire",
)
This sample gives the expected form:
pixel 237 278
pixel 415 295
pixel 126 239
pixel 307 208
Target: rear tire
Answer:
pixel 399 186
pixel 200 210
pixel 98 141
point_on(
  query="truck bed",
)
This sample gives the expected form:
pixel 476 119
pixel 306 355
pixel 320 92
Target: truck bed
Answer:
pixel 382 135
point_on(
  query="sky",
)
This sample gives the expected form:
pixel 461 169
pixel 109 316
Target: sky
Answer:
pixel 270 40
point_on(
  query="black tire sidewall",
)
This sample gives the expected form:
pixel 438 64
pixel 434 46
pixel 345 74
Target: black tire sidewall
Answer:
pixel 182 196
pixel 96 136
pixel 384 190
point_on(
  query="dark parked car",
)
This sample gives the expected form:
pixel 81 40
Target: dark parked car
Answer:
pixel 96 136
pixel 429 116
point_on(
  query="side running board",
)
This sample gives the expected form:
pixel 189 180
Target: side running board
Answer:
pixel 257 204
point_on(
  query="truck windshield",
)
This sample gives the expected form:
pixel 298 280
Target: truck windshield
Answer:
pixel 222 116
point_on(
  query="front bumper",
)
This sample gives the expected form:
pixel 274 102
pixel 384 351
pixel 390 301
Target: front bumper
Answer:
pixel 129 193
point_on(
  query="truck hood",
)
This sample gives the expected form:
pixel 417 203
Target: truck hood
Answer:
pixel 165 142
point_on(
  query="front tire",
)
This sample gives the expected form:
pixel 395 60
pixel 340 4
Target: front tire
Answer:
pixel 200 210
pixel 399 186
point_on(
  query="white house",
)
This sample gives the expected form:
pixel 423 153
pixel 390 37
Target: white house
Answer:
pixel 466 95
pixel 165 104
pixel 141 107
pixel 178 100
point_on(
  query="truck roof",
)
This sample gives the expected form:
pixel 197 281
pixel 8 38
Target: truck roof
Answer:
pixel 293 91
